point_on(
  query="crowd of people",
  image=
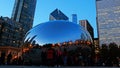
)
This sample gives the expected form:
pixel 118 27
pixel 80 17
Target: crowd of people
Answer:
pixel 109 55
pixel 81 56
pixel 9 60
pixel 2 58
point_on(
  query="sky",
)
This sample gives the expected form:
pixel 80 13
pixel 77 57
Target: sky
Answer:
pixel 85 9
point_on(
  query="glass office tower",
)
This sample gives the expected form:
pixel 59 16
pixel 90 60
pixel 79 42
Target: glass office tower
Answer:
pixel 74 18
pixel 108 20
pixel 57 15
pixel 23 12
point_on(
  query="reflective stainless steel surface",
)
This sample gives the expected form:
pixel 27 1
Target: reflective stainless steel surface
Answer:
pixel 53 32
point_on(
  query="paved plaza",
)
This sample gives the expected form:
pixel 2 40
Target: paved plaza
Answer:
pixel 50 67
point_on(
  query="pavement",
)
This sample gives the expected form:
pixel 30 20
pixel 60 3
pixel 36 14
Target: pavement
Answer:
pixel 5 66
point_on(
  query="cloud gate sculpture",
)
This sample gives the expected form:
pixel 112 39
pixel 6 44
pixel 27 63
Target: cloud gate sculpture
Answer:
pixel 55 34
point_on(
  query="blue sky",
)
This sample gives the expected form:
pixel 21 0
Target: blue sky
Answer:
pixel 85 9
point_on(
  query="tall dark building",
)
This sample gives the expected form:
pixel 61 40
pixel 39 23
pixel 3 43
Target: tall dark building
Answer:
pixel 57 15
pixel 23 12
pixel 88 27
pixel 108 21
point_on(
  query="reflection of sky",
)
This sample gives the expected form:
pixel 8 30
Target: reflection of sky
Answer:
pixel 55 32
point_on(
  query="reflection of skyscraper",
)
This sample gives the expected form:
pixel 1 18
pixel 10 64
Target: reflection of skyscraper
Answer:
pixel 57 15
pixel 108 20
pixel 74 18
pixel 23 13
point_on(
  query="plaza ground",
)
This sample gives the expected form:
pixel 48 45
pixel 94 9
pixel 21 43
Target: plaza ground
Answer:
pixel 50 67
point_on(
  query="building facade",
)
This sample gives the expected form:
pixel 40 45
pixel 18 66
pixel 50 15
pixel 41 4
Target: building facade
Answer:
pixel 10 36
pixel 23 12
pixel 74 18
pixel 10 32
pixel 88 27
pixel 57 15
pixel 108 21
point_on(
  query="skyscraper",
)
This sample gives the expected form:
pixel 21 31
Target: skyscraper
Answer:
pixel 88 27
pixel 108 20
pixel 57 15
pixel 74 18
pixel 23 12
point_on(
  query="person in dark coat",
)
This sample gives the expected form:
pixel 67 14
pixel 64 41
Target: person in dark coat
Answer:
pixel 43 56
pixel 9 58
pixel 50 55
pixel 3 58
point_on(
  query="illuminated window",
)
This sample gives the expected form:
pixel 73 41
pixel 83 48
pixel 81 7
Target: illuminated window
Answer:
pixel 25 5
pixel 16 30
pixel 20 28
pixel 13 41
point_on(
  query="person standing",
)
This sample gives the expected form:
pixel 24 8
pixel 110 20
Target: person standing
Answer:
pixel 9 57
pixel 3 58
pixel 59 57
pixel 50 56
pixel 43 57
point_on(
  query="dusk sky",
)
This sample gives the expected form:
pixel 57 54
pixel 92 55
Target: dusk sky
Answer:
pixel 85 9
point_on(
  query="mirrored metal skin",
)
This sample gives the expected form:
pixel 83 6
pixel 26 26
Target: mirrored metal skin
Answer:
pixel 56 32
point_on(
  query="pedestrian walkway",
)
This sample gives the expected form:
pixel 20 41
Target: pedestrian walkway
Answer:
pixel 50 67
